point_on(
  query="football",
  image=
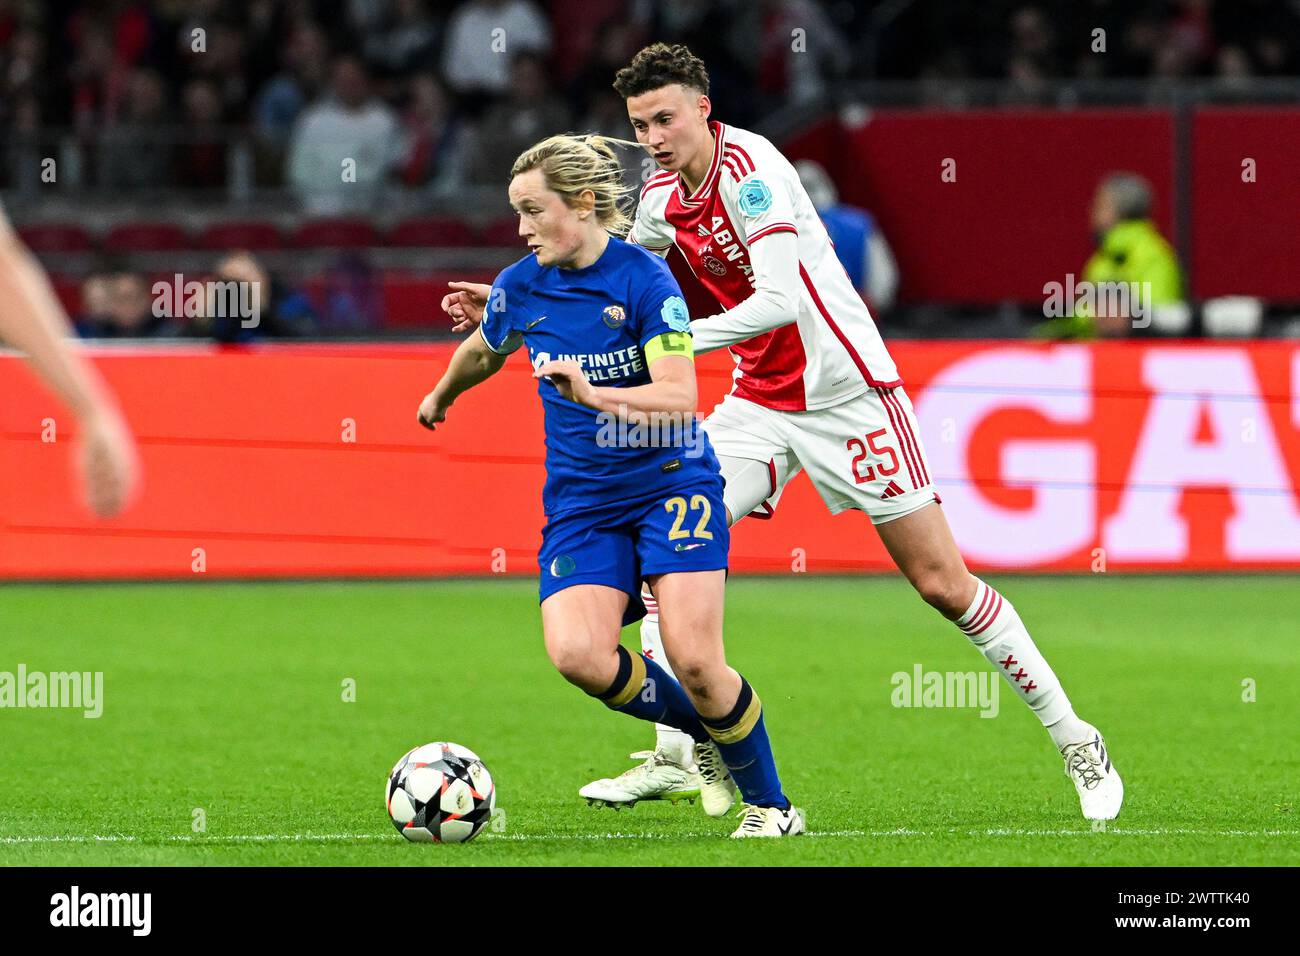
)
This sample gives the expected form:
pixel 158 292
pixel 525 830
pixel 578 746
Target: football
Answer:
pixel 440 793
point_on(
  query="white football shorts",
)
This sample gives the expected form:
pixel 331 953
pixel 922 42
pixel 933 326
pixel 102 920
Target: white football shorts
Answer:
pixel 864 453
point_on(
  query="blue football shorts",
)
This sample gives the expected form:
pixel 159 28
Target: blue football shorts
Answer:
pixel 618 545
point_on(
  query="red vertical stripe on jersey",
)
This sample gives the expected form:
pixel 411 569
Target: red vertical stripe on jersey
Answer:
pixel 848 346
pixel 715 167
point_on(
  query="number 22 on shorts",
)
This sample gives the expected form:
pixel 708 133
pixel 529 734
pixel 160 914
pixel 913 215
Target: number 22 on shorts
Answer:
pixel 877 452
pixel 678 504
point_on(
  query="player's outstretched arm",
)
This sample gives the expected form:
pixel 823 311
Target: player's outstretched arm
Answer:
pixel 774 303
pixel 465 304
pixel 33 321
pixel 472 363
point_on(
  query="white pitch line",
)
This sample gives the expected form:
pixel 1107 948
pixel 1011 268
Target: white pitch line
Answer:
pixel 196 840
pixel 905 832
pixel 67 839
pixel 688 835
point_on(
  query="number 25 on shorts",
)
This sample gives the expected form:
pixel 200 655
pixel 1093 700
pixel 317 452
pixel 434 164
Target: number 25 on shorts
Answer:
pixel 677 505
pixel 877 451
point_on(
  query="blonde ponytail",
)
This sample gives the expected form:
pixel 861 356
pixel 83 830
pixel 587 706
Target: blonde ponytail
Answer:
pixel 573 163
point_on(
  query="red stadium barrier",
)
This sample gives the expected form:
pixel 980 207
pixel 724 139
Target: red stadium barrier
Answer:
pixel 307 461
pixel 1246 202
pixel 986 206
pixel 1013 212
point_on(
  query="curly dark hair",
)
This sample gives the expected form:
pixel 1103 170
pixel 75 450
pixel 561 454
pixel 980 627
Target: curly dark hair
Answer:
pixel 660 65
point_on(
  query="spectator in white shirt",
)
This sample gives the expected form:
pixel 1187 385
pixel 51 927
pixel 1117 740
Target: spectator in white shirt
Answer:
pixel 484 36
pixel 343 147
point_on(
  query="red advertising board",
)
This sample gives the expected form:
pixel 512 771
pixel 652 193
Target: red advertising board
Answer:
pixel 307 461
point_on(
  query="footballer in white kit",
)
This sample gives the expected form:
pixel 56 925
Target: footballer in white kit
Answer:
pixel 814 389
pixel 820 393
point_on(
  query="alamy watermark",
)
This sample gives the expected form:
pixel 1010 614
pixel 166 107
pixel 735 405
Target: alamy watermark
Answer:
pixel 626 428
pixel 76 690
pixel 226 299
pixel 922 688
pixel 74 908
pixel 1130 300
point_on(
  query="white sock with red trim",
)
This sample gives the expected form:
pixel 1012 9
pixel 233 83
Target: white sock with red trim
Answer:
pixel 995 628
pixel 676 745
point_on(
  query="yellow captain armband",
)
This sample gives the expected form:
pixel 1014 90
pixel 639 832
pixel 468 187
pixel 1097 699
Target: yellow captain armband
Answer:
pixel 670 343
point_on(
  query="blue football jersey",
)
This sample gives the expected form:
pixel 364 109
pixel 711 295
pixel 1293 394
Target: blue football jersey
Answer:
pixel 601 317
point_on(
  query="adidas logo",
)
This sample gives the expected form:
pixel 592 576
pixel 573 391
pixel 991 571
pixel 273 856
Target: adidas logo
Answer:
pixel 702 230
pixel 1101 752
pixel 892 489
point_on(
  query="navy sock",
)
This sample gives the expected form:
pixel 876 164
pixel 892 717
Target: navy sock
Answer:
pixel 644 689
pixel 742 740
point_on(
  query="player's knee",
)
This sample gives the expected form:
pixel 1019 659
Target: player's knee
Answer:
pixel 698 674
pixel 574 659
pixel 695 681
pixel 942 589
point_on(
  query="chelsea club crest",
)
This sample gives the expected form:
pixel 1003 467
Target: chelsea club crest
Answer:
pixel 614 316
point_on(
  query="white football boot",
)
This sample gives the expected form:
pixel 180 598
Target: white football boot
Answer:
pixel 657 778
pixel 769 822
pixel 717 790
pixel 1101 792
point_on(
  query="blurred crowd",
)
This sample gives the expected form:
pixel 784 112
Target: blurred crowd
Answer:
pixel 336 101
pixel 437 94
pixel 429 95
pixel 238 300
pixel 120 302
pixel 1031 45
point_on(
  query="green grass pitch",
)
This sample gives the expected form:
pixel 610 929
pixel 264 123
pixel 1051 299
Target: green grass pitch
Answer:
pixel 228 698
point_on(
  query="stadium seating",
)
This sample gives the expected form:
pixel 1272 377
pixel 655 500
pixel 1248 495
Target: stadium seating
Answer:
pixel 256 236
pixel 332 233
pixel 431 231
pixel 56 237
pixel 502 232
pixel 146 237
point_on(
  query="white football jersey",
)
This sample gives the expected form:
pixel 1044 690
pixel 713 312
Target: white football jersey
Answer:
pixel 832 352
